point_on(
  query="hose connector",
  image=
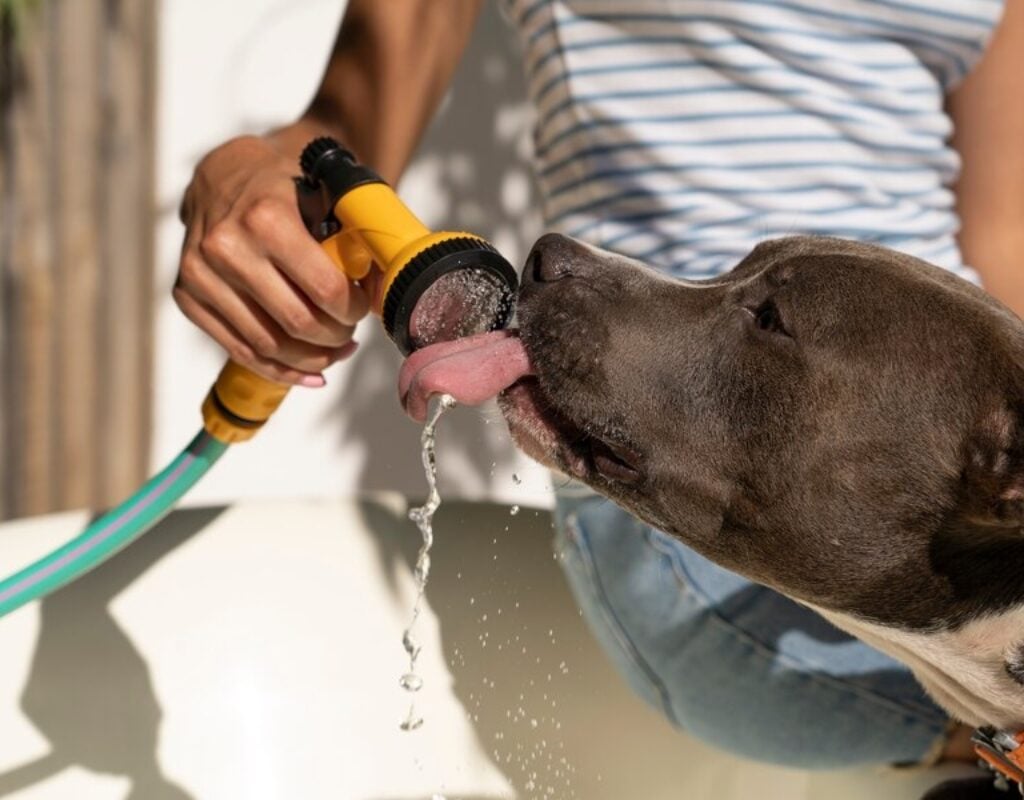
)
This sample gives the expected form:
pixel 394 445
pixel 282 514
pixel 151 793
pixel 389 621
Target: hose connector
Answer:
pixel 239 403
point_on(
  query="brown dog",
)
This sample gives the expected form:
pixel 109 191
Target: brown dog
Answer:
pixel 835 420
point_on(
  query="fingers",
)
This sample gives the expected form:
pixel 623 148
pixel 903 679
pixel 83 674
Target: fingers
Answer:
pixel 228 254
pixel 250 336
pixel 296 255
pixel 237 349
pixel 252 277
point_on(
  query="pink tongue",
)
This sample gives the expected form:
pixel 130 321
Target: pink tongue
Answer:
pixel 472 370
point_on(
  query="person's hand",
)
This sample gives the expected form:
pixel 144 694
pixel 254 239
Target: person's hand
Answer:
pixel 250 274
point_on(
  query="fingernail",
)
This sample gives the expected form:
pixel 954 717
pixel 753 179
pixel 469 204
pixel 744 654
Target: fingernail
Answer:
pixel 312 381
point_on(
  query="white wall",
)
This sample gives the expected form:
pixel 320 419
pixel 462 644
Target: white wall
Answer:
pixel 229 68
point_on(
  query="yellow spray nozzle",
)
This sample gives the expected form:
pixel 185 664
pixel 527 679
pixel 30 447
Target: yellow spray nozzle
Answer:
pixel 435 285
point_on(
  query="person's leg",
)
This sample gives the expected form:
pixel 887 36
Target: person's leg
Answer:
pixel 733 663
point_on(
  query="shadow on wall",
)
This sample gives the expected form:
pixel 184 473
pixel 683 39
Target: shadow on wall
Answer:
pixel 475 161
pixel 83 660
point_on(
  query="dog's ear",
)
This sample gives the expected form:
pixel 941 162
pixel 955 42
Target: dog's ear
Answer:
pixel 978 546
pixel 992 490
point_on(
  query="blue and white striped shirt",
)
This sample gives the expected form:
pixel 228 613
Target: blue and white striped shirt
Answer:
pixel 683 132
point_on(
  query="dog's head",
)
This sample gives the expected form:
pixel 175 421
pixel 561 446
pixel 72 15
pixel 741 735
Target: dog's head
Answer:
pixel 830 418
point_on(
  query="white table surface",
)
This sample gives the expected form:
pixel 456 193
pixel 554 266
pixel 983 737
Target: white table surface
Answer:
pixel 254 652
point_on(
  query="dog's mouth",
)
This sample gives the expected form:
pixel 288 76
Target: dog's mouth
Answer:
pixel 547 434
pixel 497 364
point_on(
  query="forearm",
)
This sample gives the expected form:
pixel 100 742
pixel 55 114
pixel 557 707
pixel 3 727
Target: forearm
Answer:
pixel 388 71
pixel 989 135
pixel 998 256
pixel 249 274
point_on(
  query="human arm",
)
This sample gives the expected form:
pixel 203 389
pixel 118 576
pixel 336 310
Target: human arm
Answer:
pixel 249 274
pixel 988 117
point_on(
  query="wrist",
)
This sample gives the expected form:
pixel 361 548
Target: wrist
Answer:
pixel 290 140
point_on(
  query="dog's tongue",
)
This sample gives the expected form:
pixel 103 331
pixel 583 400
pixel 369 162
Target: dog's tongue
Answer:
pixel 472 370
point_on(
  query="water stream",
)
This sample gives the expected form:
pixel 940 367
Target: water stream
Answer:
pixel 423 516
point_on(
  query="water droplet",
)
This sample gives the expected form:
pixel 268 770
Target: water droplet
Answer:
pixel 412 647
pixel 514 510
pixel 516 479
pixel 411 723
pixel 411 682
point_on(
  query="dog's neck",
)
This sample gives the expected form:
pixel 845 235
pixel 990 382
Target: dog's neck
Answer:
pixel 968 670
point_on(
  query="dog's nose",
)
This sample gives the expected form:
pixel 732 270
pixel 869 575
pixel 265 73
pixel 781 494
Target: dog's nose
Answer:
pixel 550 259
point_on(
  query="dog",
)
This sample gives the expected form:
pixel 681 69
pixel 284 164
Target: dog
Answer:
pixel 833 419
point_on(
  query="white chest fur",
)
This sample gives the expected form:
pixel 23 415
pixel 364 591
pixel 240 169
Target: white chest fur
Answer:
pixel 963 670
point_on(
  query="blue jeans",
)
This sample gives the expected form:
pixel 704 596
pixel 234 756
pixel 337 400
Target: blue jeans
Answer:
pixel 733 663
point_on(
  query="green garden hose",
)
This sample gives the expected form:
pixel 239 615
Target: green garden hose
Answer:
pixel 114 530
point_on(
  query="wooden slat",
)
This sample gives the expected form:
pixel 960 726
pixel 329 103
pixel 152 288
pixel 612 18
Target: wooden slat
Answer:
pixel 125 342
pixel 77 47
pixel 76 254
pixel 31 280
pixel 6 210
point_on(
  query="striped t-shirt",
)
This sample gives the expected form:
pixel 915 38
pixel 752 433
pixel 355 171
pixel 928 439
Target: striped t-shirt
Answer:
pixel 683 132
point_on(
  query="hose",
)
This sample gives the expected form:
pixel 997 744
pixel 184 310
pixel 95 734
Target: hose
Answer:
pixel 114 530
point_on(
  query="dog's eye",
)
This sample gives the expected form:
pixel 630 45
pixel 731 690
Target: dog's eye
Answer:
pixel 767 318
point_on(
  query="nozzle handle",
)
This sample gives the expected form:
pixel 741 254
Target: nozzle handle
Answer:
pixel 329 172
pixel 359 221
pixel 240 402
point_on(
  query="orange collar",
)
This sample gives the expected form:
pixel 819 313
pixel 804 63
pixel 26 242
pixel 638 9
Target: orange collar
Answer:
pixel 1003 753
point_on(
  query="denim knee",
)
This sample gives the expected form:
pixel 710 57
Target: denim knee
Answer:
pixel 733 663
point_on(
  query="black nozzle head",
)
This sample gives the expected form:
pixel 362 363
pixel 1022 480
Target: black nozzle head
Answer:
pixel 329 172
pixel 328 165
pixel 452 289
pixel 318 148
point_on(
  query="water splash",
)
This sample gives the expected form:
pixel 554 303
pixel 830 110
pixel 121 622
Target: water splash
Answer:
pixel 423 516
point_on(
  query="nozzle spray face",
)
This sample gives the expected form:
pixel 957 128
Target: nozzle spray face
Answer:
pixel 460 303
pixel 452 289
pixel 440 286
